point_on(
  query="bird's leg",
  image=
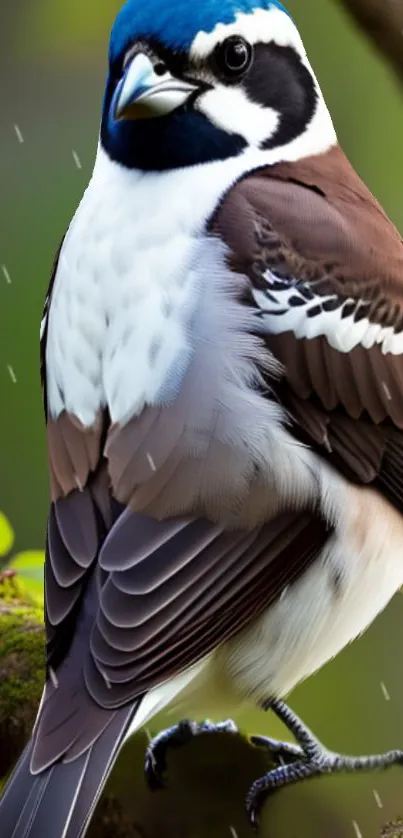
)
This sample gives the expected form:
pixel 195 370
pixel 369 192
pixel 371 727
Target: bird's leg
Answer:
pixel 312 759
pixel 155 762
pixel 175 737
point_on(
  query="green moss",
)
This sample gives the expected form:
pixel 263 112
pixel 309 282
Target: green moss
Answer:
pixel 22 660
pixel 14 592
pixel 21 656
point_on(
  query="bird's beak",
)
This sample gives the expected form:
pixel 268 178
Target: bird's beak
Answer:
pixel 143 94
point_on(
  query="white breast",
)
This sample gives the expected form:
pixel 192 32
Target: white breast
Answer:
pixel 123 297
pixel 127 285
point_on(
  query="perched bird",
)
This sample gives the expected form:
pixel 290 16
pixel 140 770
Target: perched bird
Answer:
pixel 223 380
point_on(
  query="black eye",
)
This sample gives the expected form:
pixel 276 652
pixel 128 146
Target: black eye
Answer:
pixel 233 57
pixel 160 68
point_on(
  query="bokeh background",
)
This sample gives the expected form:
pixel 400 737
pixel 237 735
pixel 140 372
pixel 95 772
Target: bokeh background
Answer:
pixel 52 68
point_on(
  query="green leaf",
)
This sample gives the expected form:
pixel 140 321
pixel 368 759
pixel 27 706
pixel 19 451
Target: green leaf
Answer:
pixel 30 568
pixel 6 535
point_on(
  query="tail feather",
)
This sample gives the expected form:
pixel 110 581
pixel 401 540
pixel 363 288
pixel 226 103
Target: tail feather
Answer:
pixel 48 810
pixel 59 802
pixel 20 794
pixel 103 755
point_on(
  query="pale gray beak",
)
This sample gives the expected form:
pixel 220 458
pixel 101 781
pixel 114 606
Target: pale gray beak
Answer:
pixel 144 94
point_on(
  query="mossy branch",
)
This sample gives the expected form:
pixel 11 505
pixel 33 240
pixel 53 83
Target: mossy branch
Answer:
pixel 21 668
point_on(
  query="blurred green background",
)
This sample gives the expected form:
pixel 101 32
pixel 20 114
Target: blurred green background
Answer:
pixel 52 67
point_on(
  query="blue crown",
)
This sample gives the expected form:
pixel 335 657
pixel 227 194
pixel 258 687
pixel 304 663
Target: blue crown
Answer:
pixel 176 23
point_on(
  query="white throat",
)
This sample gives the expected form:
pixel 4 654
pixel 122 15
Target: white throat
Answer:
pixel 129 277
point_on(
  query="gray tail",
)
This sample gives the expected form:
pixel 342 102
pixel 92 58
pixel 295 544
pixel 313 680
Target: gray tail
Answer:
pixel 59 802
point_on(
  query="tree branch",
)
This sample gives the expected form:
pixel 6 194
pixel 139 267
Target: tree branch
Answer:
pixel 382 22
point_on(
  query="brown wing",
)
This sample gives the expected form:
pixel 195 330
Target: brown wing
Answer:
pixel 315 244
pixel 127 610
pixel 167 605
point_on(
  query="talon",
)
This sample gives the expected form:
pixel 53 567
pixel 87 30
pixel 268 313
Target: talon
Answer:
pixel 254 802
pixel 309 758
pixel 155 762
pixel 154 769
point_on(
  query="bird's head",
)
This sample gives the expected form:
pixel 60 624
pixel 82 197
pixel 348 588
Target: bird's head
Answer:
pixel 194 82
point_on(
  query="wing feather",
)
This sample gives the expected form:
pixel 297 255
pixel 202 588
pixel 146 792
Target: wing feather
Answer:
pixel 325 267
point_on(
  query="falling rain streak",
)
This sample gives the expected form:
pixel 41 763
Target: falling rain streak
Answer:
pixel 53 677
pixel 385 691
pixel 378 800
pixel 17 130
pixel 151 461
pixel 76 159
pixel 6 274
pixel 357 830
pixel 12 373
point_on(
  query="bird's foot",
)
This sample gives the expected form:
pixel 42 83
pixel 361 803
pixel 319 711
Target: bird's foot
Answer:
pixel 175 737
pixel 309 758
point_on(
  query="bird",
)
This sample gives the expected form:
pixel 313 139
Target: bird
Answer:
pixel 221 359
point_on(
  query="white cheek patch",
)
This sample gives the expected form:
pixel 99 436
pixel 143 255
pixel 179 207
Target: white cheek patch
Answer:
pixel 230 108
pixel 262 25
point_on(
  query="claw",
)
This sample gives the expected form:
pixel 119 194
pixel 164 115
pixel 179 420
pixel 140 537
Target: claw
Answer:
pixel 155 763
pixel 154 772
pixel 281 750
pixel 311 759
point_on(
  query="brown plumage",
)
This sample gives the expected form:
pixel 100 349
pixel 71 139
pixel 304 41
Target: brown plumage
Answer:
pixel 316 221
